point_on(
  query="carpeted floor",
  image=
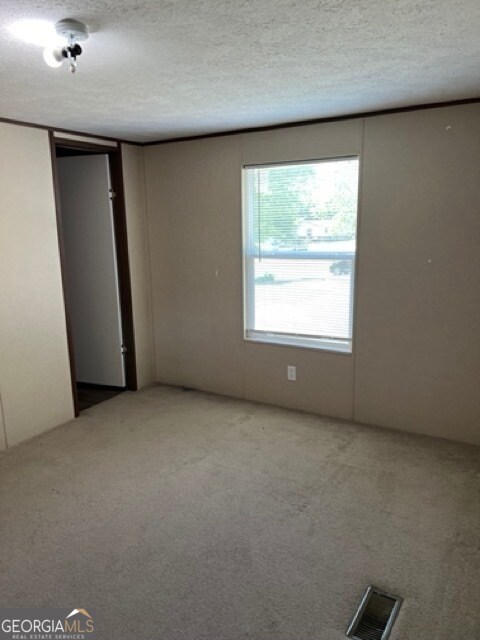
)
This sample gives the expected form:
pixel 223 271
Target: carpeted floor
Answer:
pixel 180 515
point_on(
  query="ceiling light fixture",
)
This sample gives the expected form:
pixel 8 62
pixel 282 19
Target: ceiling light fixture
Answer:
pixel 60 41
pixel 72 32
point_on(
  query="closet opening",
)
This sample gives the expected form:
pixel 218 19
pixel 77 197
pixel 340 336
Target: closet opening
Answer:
pixel 95 269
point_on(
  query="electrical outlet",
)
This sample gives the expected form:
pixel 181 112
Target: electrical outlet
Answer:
pixel 291 373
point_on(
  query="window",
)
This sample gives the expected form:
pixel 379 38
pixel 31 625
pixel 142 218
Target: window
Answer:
pixel 300 237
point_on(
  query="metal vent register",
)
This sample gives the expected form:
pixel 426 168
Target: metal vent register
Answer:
pixel 375 616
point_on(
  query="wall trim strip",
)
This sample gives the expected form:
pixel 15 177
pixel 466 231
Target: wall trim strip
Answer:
pixel 55 130
pixel 304 123
pixel 271 127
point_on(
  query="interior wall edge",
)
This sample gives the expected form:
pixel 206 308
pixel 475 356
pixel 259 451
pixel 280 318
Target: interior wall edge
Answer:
pixel 3 431
pixel 149 265
pixel 61 253
pixel 137 240
pixel 357 265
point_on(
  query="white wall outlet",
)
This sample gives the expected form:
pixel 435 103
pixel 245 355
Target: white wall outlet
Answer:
pixel 291 373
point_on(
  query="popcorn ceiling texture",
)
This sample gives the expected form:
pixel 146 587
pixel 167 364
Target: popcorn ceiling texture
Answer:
pixel 157 70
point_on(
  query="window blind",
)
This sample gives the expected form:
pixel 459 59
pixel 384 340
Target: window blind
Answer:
pixel 299 252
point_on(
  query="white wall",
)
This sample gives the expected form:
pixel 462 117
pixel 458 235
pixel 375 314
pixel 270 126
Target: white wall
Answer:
pixel 34 368
pixel 416 355
pixel 91 269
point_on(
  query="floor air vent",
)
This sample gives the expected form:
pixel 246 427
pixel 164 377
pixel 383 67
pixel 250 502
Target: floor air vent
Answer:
pixel 375 616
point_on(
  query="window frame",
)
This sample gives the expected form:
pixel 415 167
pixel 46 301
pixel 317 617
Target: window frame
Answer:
pixel 318 343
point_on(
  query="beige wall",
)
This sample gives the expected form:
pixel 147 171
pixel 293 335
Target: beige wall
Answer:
pixel 193 203
pixel 418 322
pixel 3 442
pixel 34 370
pixel 134 184
pixel 416 357
pixel 35 387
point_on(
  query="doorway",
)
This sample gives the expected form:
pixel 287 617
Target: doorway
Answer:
pixel 95 271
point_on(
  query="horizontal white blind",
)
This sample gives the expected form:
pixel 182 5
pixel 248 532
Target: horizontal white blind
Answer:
pixel 301 223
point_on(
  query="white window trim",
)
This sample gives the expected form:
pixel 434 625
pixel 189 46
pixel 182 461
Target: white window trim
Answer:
pixel 299 340
pixel 322 343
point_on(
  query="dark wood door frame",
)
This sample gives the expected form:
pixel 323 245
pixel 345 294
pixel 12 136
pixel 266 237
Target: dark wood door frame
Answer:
pixel 121 243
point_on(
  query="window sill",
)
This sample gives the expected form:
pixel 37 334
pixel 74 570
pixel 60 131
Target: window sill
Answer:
pixel 342 347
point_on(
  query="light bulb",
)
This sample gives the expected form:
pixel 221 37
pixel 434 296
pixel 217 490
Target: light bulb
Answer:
pixel 53 57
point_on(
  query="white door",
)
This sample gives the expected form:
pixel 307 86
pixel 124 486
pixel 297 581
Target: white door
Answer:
pixel 91 269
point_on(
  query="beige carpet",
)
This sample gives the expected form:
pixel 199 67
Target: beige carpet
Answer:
pixel 182 515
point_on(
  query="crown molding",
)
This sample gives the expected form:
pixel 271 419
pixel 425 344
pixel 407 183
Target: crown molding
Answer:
pixel 304 123
pixel 232 132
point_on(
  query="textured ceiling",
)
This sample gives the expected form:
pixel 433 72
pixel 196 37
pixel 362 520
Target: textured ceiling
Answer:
pixel 157 70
